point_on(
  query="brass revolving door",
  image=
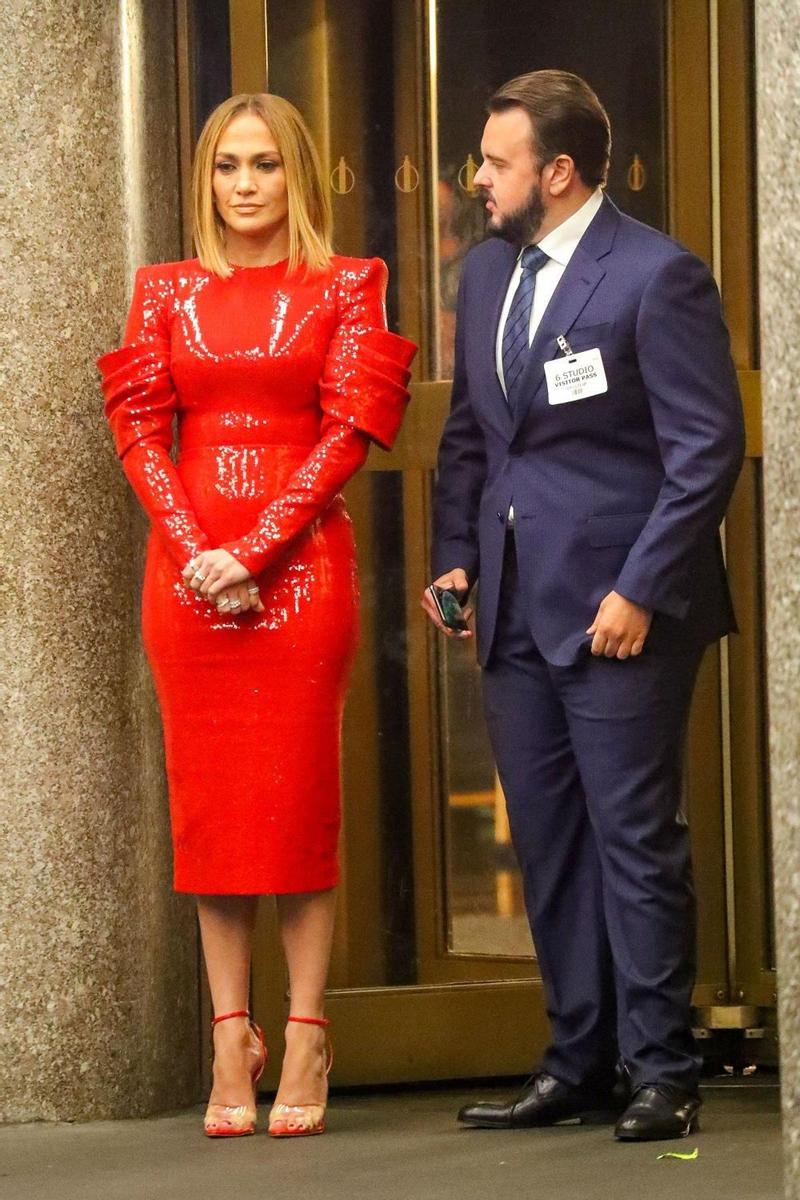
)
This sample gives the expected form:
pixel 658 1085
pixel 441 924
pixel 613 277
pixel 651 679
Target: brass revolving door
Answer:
pixel 434 975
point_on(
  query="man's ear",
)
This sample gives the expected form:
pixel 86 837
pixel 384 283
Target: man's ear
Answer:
pixel 559 175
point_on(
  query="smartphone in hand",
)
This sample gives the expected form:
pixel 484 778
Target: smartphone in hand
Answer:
pixel 448 607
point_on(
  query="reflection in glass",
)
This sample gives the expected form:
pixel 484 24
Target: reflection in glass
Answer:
pixel 461 226
pixel 211 53
pixel 351 112
pixel 486 913
pixel 619 47
pixel 375 939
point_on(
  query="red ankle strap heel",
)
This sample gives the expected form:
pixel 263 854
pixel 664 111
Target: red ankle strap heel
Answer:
pixel 240 1012
pixel 323 1023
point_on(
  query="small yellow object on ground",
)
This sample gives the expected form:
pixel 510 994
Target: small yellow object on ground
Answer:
pixel 683 1157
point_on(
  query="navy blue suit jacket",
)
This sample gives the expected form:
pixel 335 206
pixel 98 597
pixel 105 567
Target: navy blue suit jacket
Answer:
pixel 622 491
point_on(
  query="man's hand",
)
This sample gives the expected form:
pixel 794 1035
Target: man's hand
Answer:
pixel 456 579
pixel 620 627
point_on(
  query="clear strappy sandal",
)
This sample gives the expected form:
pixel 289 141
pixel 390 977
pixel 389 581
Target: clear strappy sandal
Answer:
pixel 237 1120
pixel 302 1120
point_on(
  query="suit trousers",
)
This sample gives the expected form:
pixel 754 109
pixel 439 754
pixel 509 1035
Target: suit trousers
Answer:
pixel 590 757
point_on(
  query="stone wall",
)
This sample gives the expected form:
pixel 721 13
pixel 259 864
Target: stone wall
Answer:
pixel 778 80
pixel 98 959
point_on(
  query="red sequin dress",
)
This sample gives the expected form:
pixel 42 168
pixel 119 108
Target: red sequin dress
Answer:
pixel 278 384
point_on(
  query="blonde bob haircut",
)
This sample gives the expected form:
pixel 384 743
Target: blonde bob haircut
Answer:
pixel 310 222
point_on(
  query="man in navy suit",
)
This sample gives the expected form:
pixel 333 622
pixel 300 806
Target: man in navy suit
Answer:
pixel 593 443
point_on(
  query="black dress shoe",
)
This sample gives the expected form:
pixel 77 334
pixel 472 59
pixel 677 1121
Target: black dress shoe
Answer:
pixel 542 1101
pixel 622 1089
pixel 658 1111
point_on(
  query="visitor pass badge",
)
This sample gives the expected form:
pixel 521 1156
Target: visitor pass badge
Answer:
pixel 575 377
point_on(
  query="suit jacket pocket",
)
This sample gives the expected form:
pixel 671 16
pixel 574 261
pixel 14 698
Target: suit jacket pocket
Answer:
pixel 586 337
pixel 617 529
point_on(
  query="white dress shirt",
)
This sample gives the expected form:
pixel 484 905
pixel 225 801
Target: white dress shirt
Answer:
pixel 559 245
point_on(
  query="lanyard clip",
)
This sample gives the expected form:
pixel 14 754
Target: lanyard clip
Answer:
pixel 564 345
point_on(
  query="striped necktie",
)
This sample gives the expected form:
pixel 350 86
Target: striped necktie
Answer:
pixel 518 321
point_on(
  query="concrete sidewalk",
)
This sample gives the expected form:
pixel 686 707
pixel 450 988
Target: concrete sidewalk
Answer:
pixel 399 1146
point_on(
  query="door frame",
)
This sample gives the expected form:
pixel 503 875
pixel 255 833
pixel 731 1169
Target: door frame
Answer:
pixel 427 1030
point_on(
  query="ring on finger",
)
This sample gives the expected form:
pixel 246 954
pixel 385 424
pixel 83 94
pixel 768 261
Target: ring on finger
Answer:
pixel 252 591
pixel 198 575
pixel 236 604
pixel 223 603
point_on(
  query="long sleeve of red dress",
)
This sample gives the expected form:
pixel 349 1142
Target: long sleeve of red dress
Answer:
pixel 363 397
pixel 140 404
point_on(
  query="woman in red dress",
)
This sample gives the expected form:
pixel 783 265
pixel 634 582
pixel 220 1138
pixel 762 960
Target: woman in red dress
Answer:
pixel 274 356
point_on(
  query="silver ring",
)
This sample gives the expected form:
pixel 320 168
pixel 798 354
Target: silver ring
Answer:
pixel 235 603
pixel 223 603
pixel 197 575
pixel 252 591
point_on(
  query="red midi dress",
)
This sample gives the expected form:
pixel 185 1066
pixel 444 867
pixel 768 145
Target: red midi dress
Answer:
pixel 278 383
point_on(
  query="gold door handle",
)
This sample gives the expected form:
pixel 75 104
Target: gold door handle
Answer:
pixel 406 177
pixel 466 176
pixel 637 175
pixel 342 178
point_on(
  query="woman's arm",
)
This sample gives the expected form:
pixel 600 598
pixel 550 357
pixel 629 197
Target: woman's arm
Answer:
pixel 140 403
pixel 363 396
pixel 340 452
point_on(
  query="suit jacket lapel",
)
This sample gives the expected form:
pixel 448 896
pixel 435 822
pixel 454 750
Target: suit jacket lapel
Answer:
pixel 581 276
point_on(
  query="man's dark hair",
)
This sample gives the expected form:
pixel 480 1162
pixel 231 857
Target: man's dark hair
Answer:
pixel 566 118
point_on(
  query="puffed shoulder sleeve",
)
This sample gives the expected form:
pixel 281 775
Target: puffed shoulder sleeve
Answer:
pixel 139 396
pixel 365 378
pixel 140 403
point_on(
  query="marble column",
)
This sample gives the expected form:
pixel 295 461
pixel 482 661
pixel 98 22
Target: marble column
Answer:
pixel 98 959
pixel 778 84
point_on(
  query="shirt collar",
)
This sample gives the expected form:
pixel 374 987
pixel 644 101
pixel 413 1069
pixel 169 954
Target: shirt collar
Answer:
pixel 561 242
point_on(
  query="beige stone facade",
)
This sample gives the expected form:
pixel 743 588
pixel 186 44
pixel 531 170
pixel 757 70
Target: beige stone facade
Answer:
pixel 778 75
pixel 98 965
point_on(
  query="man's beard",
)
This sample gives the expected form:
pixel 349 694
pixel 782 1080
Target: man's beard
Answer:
pixel 521 226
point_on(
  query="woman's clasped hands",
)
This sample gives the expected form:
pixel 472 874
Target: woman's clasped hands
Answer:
pixel 223 581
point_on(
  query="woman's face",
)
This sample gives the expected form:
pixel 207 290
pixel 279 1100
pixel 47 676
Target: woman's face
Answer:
pixel 249 181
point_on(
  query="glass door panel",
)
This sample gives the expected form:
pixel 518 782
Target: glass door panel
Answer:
pixel 620 48
pixel 485 906
pixel 474 53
